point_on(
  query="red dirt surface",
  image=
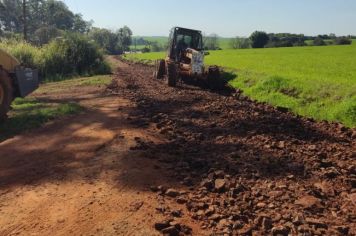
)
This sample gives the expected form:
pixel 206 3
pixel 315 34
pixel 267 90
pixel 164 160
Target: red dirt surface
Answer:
pixel 147 159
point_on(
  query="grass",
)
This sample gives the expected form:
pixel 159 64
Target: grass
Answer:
pixel 224 43
pixel 29 113
pixel 318 82
pixel 93 81
pixel 68 83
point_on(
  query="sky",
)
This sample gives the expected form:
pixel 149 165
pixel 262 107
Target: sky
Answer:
pixel 227 18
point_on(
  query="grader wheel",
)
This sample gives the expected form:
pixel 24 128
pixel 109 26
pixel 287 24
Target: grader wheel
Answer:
pixel 5 94
pixel 172 74
pixel 160 69
pixel 214 79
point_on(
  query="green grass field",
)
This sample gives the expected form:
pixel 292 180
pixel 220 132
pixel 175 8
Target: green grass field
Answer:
pixel 318 82
pixel 224 43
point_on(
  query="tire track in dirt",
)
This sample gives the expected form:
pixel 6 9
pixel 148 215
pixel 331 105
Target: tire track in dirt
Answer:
pixel 83 175
pixel 250 168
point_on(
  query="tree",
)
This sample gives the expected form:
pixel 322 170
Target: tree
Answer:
pixel 342 41
pixel 240 43
pixel 106 40
pixel 211 42
pixel 155 47
pixel 10 15
pixel 45 34
pixel 59 15
pixel 80 25
pixel 285 40
pixel 39 14
pixel 318 41
pixel 259 39
pixel 124 35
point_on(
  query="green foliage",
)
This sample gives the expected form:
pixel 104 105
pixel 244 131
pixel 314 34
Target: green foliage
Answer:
pixel 240 43
pixel 259 39
pixel 155 47
pixel 26 53
pixel 143 42
pixel 319 42
pixel 95 80
pixel 112 43
pixel 45 19
pixel 74 54
pixel 316 82
pixel 285 40
pixel 106 40
pixel 125 38
pixel 31 113
pixel 211 42
pixel 342 41
pixel 45 34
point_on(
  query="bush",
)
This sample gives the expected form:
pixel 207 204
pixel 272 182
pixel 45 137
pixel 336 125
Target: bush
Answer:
pixel 145 50
pixel 319 42
pixel 71 55
pixel 26 53
pixel 342 41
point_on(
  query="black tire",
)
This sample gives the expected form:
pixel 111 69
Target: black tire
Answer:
pixel 214 79
pixel 160 69
pixel 6 93
pixel 172 74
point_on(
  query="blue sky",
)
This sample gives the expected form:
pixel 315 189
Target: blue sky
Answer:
pixel 225 17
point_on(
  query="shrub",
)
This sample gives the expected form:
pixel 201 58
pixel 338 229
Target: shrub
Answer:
pixel 319 42
pixel 26 53
pixel 73 54
pixel 145 50
pixel 342 41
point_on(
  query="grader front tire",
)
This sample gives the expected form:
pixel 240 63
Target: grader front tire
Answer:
pixel 160 69
pixel 172 75
pixel 5 94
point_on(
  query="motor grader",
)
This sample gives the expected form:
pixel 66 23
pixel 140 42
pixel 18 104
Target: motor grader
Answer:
pixel 185 59
pixel 16 80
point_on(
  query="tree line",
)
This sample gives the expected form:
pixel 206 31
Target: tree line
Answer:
pixel 260 39
pixel 40 21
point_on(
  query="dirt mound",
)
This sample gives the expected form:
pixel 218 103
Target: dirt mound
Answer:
pixel 249 167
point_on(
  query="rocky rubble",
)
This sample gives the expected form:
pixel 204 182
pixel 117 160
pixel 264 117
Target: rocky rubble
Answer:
pixel 247 168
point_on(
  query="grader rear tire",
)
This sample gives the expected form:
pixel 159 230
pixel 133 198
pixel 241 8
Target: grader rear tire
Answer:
pixel 5 94
pixel 172 75
pixel 214 79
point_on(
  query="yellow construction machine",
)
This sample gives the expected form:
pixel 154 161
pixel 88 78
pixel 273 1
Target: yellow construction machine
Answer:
pixel 16 80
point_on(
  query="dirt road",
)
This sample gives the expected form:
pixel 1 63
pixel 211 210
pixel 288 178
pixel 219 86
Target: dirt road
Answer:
pixel 143 153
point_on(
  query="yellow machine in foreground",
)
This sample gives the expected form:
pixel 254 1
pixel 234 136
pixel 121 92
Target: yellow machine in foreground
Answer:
pixel 15 81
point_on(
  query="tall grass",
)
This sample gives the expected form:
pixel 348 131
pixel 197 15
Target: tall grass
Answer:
pixel 71 55
pixel 26 53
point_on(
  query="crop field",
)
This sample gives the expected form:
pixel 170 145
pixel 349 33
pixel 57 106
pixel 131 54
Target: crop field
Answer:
pixel 317 82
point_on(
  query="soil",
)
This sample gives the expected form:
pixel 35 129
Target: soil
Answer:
pixel 147 159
